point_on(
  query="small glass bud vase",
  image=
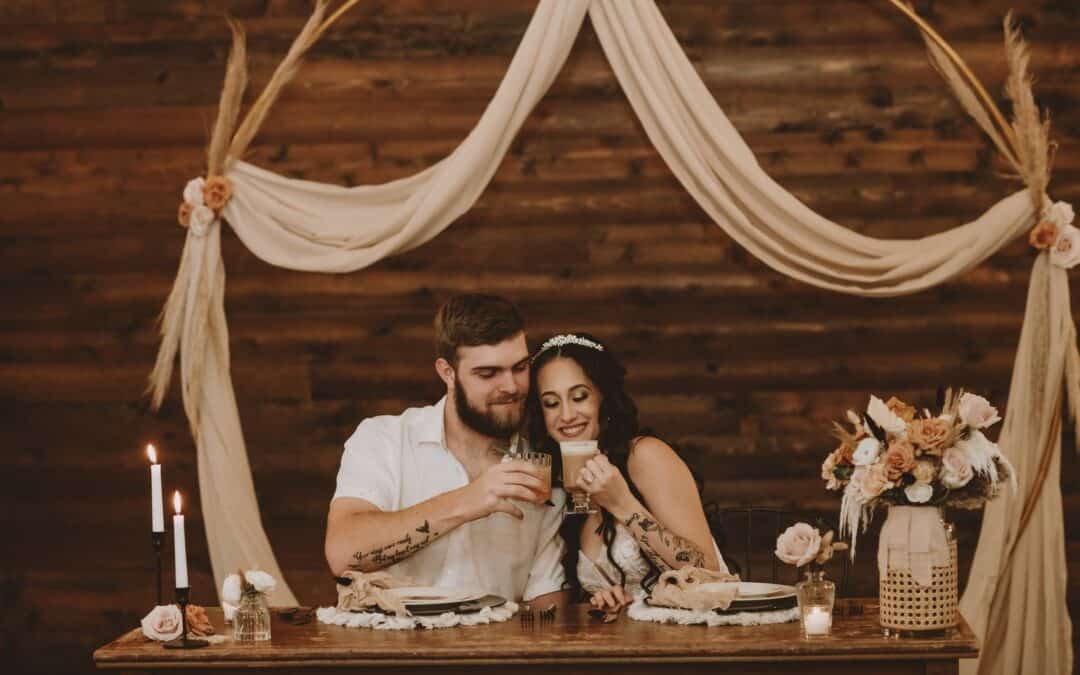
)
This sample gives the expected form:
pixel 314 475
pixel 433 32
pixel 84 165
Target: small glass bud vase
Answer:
pixel 252 620
pixel 816 597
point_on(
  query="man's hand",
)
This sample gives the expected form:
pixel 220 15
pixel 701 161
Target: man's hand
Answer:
pixel 491 492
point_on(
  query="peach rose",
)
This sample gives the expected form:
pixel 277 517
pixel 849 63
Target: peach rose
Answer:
pixel 163 623
pixel 198 623
pixel 899 459
pixel 217 191
pixel 900 409
pixel 1043 235
pixel 184 214
pixel 928 435
pixel 924 471
pixel 1066 250
pixel 798 545
pixel 976 411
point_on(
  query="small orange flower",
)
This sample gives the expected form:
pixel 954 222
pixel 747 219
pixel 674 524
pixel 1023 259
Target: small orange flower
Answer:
pixel 216 192
pixel 1043 235
pixel 184 215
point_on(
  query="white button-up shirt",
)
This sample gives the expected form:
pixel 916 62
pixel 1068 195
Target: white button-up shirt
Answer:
pixel 396 462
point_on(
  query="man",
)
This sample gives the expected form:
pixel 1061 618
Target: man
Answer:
pixel 426 495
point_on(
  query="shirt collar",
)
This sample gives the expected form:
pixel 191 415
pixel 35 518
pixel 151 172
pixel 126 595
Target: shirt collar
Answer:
pixel 429 427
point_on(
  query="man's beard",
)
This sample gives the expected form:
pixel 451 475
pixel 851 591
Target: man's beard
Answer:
pixel 485 422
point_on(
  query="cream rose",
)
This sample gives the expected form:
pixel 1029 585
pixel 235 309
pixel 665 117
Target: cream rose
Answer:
pixel 874 482
pixel 976 411
pixel 919 493
pixel 1066 250
pixel 193 192
pixel 798 545
pixel 263 582
pixel 216 192
pixel 885 418
pixel 201 218
pixel 866 452
pixel 924 472
pixel 1060 214
pixel 231 589
pixel 163 623
pixel 956 471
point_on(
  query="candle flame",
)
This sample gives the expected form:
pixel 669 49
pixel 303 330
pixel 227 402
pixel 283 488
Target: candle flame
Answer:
pixel 151 453
pixel 176 501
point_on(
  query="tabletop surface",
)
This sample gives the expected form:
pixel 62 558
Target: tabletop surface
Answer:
pixel 572 637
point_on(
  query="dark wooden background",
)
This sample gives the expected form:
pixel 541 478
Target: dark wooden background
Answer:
pixel 104 111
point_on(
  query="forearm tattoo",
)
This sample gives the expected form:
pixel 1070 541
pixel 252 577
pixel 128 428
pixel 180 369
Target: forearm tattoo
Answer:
pixel 397 551
pixel 651 535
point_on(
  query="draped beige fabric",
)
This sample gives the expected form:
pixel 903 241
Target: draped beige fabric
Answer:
pixel 310 226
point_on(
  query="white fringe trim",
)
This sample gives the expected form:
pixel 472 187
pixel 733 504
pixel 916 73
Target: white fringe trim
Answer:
pixel 377 621
pixel 639 611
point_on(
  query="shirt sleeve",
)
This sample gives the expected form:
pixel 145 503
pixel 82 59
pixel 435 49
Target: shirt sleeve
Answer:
pixel 547 574
pixel 369 467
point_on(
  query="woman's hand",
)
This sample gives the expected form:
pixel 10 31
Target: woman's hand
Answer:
pixel 606 486
pixel 610 600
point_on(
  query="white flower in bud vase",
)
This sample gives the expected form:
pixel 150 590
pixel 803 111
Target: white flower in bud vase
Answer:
pixel 919 493
pixel 231 589
pixel 866 452
pixel 201 218
pixel 976 411
pixel 798 545
pixel 1060 214
pixel 229 610
pixel 263 582
pixel 1066 250
pixel 885 418
pixel 163 623
pixel 193 192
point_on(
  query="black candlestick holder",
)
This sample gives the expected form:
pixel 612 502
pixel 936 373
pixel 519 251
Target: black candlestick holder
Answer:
pixel 184 642
pixel 158 539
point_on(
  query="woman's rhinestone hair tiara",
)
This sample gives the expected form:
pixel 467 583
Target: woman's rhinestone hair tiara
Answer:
pixel 568 339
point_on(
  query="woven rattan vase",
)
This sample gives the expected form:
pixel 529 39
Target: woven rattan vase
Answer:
pixel 907 604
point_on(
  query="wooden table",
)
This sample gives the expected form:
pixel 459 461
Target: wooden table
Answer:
pixel 574 643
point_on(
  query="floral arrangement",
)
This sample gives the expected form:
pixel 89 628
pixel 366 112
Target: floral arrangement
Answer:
pixel 203 201
pixel 164 623
pixel 244 584
pixel 1055 232
pixel 801 544
pixel 893 456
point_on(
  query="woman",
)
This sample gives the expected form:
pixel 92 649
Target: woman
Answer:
pixel 650 517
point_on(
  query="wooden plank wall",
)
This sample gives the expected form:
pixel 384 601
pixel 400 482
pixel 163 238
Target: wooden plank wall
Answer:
pixel 104 111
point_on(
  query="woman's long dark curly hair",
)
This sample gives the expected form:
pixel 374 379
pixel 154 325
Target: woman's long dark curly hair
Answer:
pixel 618 429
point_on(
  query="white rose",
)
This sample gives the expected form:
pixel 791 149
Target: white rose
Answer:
pixel 798 545
pixel 956 471
pixel 885 418
pixel 919 493
pixel 163 623
pixel 193 192
pixel 976 411
pixel 263 582
pixel 231 589
pixel 1060 214
pixel 866 452
pixel 1066 249
pixel 229 610
pixel 201 218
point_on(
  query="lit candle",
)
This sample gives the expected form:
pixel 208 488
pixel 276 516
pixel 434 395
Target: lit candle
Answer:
pixel 157 509
pixel 817 621
pixel 178 544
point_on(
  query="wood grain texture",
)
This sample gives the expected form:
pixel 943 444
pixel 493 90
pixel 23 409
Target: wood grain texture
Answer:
pixel 104 111
pixel 572 640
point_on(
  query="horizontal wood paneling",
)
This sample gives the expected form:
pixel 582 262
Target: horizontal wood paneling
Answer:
pixel 104 111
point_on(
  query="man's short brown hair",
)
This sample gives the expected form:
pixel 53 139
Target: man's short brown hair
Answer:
pixel 474 319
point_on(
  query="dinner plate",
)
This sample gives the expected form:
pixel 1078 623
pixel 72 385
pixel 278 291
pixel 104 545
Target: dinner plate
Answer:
pixel 420 596
pixel 751 590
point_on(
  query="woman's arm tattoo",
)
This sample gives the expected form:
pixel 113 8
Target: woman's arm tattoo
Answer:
pixel 651 535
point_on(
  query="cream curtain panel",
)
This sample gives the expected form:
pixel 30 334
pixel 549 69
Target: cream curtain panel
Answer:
pixel 1019 571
